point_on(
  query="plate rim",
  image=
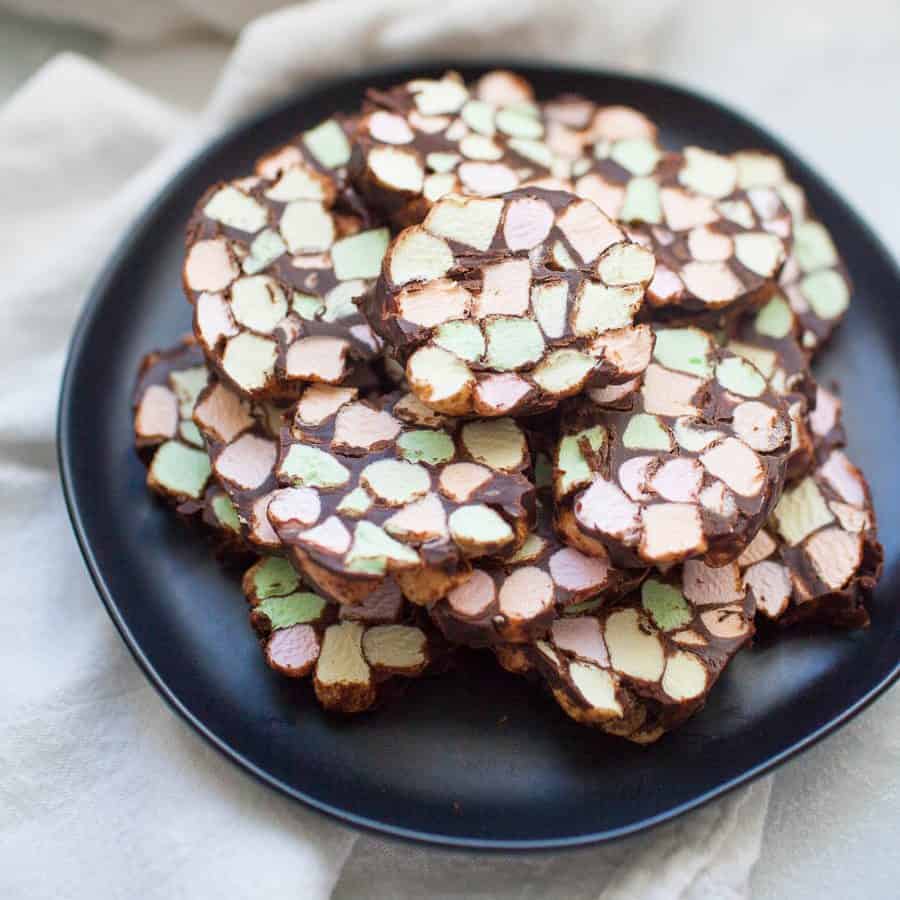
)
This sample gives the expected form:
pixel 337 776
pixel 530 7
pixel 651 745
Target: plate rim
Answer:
pixel 75 352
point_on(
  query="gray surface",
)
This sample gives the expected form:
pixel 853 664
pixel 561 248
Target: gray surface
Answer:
pixel 833 828
pixel 838 843
pixel 26 44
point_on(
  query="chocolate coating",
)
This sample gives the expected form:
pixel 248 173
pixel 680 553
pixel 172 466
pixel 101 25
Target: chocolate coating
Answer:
pixel 641 666
pixel 507 305
pixel 818 559
pixel 162 404
pixel 385 486
pixel 272 269
pixel 691 468
pixel 517 600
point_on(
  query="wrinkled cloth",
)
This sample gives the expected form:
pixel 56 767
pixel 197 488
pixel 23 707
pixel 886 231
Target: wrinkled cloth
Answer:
pixel 105 792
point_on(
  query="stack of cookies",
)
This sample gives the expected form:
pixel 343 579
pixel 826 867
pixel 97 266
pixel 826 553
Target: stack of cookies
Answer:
pixel 473 369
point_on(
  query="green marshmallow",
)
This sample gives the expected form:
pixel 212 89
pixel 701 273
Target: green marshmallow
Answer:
pixel 813 247
pixel 432 447
pixel 775 319
pixel 581 167
pixel 292 609
pixel 693 439
pixel 462 337
pixel 536 151
pixel 235 209
pixel 519 123
pixel 308 466
pixel 794 198
pixel 328 144
pixel 373 547
pixel 250 359
pixel 225 512
pixel 375 566
pixel 187 384
pixel 637 155
pixel 191 433
pixel 684 349
pixel 307 306
pixel 396 481
pixel 665 604
pixel 646 432
pixel 360 255
pixel 827 293
pixel 339 302
pixel 512 343
pixel 740 377
pixel 275 577
pixel 801 511
pixel 601 149
pixel 181 470
pixel 479 524
pixel 549 303
pixel 265 249
pixel 574 469
pixel 479 116
pixel 761 253
pixel 642 203
pixel 355 504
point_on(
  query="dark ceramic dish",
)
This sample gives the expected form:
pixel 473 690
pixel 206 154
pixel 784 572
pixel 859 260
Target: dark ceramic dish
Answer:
pixel 478 758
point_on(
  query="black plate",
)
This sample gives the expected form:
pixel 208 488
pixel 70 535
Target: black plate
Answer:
pixel 477 759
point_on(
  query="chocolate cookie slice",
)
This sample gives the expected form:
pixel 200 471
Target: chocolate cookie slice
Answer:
pixel 273 271
pixel 326 149
pixel 576 126
pixel 770 339
pixel 168 442
pixel 818 559
pixel 815 278
pixel 507 305
pixel 422 140
pixel 516 600
pixel 349 659
pixel 691 465
pixel 719 248
pixel 641 667
pixel 386 486
pixel 241 438
pixel 719 243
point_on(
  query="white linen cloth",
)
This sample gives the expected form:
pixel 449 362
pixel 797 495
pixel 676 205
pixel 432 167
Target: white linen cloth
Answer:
pixel 103 791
